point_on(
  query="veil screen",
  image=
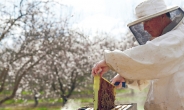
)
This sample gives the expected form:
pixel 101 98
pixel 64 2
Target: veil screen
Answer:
pixel 142 36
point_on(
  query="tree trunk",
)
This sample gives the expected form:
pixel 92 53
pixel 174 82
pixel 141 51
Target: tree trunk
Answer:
pixel 5 99
pixel 64 99
pixel 36 100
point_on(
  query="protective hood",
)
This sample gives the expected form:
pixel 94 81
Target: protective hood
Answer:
pixel 142 36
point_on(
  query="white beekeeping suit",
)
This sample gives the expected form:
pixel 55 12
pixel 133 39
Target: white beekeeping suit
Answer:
pixel 161 61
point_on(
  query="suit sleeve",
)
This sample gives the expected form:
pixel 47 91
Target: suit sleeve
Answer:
pixel 157 58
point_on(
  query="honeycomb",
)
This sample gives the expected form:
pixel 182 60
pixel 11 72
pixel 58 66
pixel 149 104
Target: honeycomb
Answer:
pixel 106 95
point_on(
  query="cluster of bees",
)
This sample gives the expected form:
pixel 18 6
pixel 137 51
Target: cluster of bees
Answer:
pixel 106 95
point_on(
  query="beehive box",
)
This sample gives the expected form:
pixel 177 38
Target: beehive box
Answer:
pixel 132 106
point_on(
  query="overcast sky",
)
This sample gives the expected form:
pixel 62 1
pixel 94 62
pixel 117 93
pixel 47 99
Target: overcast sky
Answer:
pixel 109 16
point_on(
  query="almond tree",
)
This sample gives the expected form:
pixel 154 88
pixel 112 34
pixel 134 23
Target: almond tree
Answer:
pixel 18 59
pixel 65 68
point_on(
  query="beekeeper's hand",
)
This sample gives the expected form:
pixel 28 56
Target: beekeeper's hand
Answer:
pixel 118 78
pixel 100 68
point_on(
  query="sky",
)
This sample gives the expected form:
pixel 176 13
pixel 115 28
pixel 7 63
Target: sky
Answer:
pixel 110 16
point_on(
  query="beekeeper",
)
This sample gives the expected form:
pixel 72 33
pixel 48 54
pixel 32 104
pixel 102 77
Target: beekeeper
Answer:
pixel 159 58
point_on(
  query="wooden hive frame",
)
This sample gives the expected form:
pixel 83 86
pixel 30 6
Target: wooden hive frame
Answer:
pixel 104 94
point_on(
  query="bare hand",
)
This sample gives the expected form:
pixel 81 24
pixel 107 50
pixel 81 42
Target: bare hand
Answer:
pixel 118 78
pixel 100 68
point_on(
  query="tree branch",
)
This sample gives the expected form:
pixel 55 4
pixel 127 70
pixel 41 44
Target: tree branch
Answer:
pixel 4 75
